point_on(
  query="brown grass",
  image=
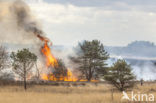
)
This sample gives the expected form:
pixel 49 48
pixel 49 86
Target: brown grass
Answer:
pixel 60 94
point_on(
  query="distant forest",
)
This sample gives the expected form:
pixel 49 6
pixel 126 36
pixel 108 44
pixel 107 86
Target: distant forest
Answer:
pixel 136 48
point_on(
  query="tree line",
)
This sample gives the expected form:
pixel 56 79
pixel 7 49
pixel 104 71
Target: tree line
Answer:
pixel 90 62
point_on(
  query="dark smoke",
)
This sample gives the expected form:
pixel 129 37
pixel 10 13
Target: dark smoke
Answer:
pixel 23 17
pixel 17 21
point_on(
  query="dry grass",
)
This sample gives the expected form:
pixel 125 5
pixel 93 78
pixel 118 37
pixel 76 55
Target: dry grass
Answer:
pixel 59 94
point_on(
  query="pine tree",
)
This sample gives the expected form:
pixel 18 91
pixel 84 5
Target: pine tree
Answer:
pixel 120 75
pixel 90 59
pixel 59 71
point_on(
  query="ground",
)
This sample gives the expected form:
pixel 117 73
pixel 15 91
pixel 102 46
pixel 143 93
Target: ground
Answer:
pixel 91 93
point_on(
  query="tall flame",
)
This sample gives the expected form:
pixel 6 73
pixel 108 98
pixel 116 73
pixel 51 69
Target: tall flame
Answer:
pixel 50 59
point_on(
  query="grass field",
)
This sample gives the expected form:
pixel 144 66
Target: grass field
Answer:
pixel 101 93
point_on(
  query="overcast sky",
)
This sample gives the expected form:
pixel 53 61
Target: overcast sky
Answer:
pixel 113 22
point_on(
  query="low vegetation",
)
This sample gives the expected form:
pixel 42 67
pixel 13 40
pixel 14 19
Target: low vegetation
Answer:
pixel 90 93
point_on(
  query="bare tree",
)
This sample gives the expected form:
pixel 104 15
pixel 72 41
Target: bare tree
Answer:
pixel 3 58
pixel 23 62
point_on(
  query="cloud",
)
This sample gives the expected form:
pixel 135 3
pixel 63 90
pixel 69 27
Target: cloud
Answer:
pixel 105 3
pixel 115 23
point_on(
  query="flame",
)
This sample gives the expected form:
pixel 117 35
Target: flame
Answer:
pixel 69 78
pixel 50 59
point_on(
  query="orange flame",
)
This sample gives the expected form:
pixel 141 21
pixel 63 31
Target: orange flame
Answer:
pixel 50 59
pixel 70 77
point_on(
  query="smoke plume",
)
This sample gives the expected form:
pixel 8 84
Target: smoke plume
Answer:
pixel 18 25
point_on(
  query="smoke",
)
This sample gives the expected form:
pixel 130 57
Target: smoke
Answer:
pixel 17 23
pixel 21 13
pixel 143 68
pixel 19 26
pixel 145 71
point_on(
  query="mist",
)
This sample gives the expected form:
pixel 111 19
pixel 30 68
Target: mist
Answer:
pixel 142 68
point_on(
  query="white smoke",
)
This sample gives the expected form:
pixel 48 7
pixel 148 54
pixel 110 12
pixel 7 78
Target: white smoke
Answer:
pixel 142 67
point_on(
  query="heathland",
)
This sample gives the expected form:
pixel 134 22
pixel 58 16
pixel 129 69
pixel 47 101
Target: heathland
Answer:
pixel 71 93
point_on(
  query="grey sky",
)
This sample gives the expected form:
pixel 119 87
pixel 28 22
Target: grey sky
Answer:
pixel 114 22
pixel 103 2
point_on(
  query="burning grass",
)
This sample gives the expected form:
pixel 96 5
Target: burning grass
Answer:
pixel 90 93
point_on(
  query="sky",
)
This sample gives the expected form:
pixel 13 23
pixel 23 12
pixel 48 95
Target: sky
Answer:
pixel 113 22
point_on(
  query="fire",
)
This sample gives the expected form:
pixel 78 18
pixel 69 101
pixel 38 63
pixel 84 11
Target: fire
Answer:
pixel 68 77
pixel 50 59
